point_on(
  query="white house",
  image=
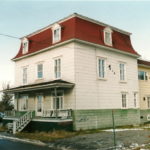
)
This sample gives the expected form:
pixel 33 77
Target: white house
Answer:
pixel 74 72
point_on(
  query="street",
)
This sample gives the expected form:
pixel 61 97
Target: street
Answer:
pixel 15 145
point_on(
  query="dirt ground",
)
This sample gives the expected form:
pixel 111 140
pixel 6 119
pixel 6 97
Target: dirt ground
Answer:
pixel 130 139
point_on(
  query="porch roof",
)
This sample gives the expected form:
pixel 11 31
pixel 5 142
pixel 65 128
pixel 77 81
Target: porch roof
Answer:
pixel 41 86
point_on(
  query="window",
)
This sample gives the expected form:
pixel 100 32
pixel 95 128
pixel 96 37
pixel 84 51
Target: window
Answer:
pixel 25 75
pixel 25 45
pixel 148 102
pixel 142 75
pixel 24 103
pixel 56 30
pixel 122 71
pixel 108 36
pixel 124 100
pixel 101 68
pixel 135 99
pixel 40 71
pixel 57 67
pixel 58 100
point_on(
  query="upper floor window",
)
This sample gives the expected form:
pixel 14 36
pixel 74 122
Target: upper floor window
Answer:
pixel 101 68
pixel 142 75
pixel 57 68
pixel 108 36
pixel 40 71
pixel 56 31
pixel 25 45
pixel 24 75
pixel 122 71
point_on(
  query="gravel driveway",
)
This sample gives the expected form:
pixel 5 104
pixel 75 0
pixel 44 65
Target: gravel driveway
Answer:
pixel 104 140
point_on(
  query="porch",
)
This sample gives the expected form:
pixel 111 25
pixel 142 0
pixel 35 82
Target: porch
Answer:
pixel 47 115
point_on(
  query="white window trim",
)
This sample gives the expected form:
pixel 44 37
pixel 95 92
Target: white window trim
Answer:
pixel 40 63
pixel 137 104
pixel 54 59
pixel 125 72
pixel 39 94
pixel 56 27
pixel 108 30
pixel 23 75
pixel 145 75
pixel 126 100
pixel 26 49
pixel 20 101
pixel 105 63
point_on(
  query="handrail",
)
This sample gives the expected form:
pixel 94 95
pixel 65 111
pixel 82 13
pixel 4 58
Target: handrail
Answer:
pixel 18 125
pixel 63 113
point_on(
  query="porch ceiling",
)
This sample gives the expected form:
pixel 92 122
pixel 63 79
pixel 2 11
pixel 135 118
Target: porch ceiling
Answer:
pixel 41 86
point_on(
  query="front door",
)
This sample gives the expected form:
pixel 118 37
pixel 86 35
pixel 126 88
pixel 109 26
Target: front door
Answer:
pixel 39 105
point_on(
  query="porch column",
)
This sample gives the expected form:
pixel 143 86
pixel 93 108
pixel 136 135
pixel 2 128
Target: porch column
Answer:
pixel 55 93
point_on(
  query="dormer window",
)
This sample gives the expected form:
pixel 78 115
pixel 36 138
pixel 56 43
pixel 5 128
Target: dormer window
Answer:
pixel 108 36
pixel 25 46
pixel 56 31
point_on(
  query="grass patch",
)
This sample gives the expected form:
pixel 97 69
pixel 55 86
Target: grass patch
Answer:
pixel 3 129
pixel 53 135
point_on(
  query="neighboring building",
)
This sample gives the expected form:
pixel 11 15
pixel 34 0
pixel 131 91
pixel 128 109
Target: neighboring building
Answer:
pixel 144 89
pixel 77 64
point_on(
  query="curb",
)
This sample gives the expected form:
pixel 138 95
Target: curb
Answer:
pixel 35 142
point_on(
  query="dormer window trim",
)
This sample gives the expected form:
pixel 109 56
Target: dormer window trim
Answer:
pixel 25 46
pixel 56 33
pixel 108 36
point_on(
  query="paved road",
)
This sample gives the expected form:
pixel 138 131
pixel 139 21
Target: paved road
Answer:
pixel 13 145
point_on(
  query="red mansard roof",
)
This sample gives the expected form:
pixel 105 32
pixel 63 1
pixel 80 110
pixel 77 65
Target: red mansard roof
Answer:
pixel 82 28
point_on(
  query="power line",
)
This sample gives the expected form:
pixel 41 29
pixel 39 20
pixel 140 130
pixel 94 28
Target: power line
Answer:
pixel 10 36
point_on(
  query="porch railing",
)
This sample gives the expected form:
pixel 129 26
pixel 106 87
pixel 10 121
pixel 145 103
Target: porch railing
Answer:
pixel 60 113
pixel 19 125
pixel 10 113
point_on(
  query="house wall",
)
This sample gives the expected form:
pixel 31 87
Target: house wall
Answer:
pixel 66 53
pixel 144 88
pixel 94 93
pixel 95 98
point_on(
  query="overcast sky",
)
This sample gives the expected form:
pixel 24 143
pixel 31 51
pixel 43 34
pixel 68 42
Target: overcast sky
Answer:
pixel 19 18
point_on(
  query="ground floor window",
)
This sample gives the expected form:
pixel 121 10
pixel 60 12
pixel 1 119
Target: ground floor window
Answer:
pixel 135 99
pixel 124 100
pixel 39 103
pixel 57 100
pixel 148 102
pixel 24 102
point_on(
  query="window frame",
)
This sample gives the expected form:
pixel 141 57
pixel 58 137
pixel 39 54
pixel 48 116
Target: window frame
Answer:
pixel 42 71
pixel 103 77
pixel 135 99
pixel 56 38
pixel 23 100
pixel 57 68
pixel 126 100
pixel 25 46
pixel 124 79
pixel 145 77
pixel 109 31
pixel 25 75
pixel 148 102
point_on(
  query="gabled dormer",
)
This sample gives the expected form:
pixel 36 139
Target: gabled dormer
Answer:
pixel 25 45
pixel 108 36
pixel 56 33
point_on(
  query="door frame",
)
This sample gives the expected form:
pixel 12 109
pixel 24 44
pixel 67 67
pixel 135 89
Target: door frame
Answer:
pixel 36 110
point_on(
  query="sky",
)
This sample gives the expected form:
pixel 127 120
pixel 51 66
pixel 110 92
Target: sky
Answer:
pixel 19 18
